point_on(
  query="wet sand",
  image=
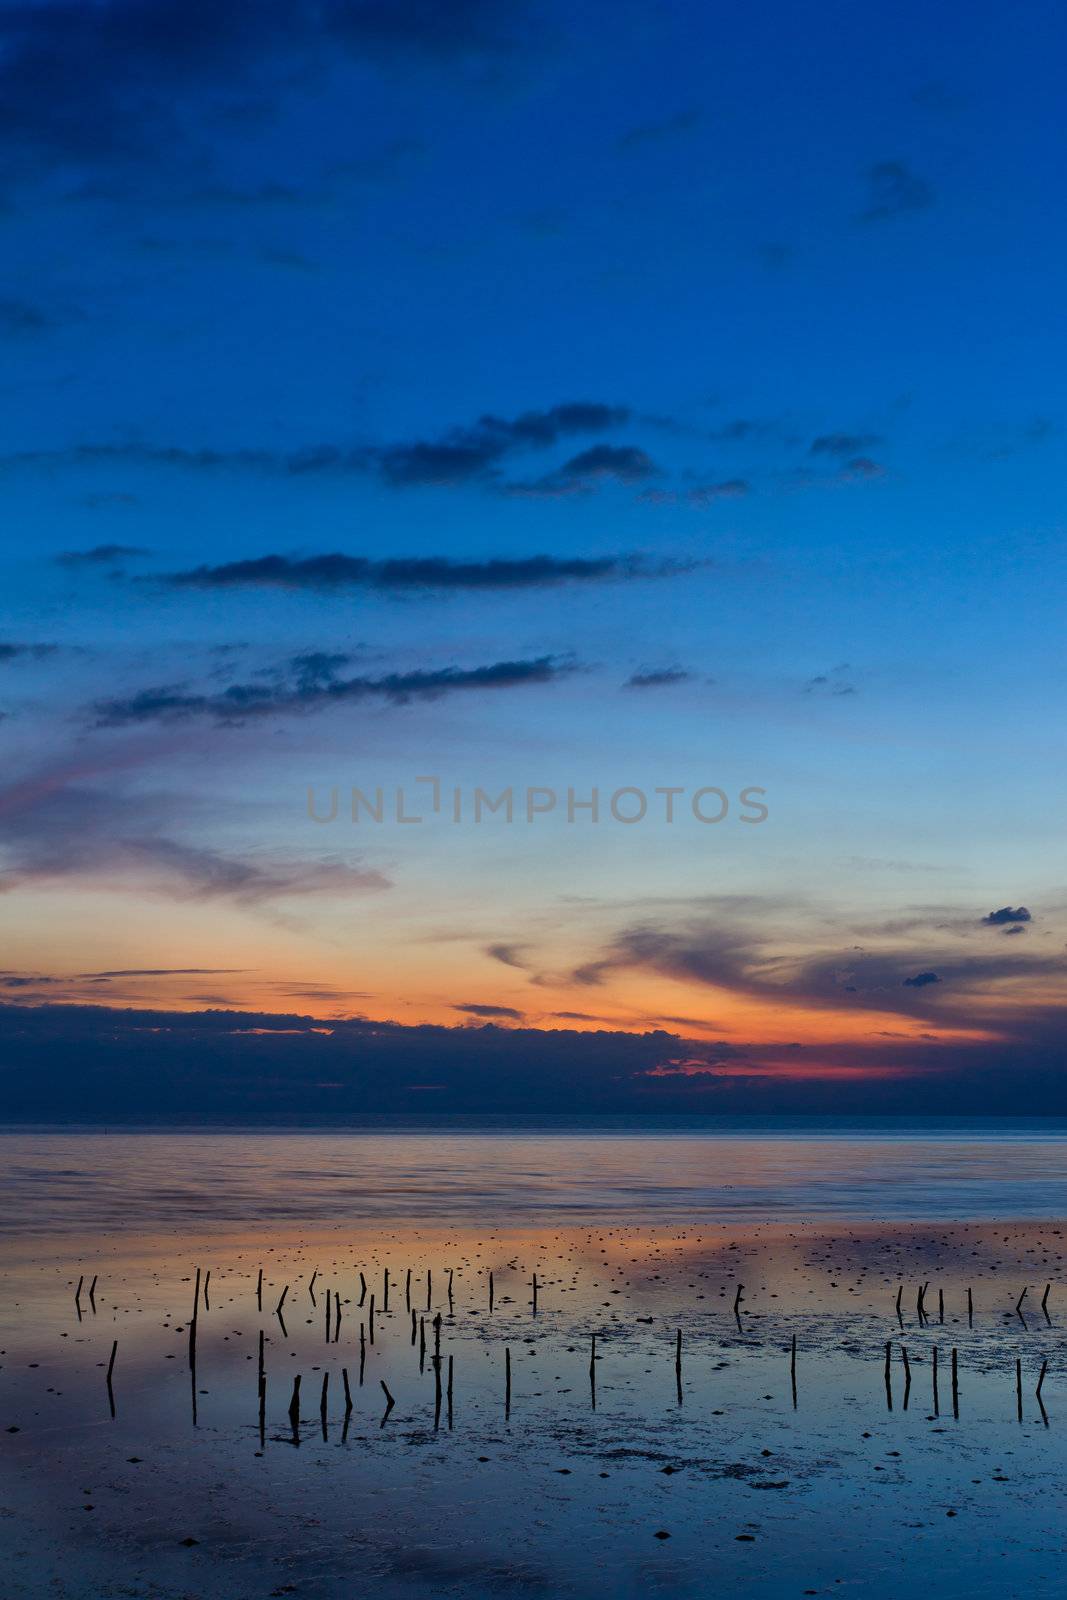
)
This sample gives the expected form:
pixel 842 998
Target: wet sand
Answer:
pixel 620 1475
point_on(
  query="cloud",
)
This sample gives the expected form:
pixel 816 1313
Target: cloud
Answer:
pixel 33 652
pixel 58 831
pixel 859 468
pixel 664 678
pixel 316 686
pixel 490 1011
pixel 833 682
pixel 114 82
pixel 921 980
pixel 1007 915
pixel 509 954
pixel 475 452
pixel 468 454
pixel 100 555
pixel 894 190
pixel 626 464
pixel 22 319
pixel 843 444
pixel 706 494
pixel 336 571
pixel 91 1063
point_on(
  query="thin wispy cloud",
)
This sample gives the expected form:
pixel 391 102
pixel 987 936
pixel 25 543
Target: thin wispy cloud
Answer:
pixel 397 574
pixel 309 688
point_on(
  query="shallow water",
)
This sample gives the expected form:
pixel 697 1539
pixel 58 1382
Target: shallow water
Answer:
pixel 168 1485
pixel 60 1180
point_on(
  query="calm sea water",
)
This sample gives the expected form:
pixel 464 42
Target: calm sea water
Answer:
pixel 78 1180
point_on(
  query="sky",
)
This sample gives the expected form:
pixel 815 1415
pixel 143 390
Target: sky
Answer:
pixel 661 400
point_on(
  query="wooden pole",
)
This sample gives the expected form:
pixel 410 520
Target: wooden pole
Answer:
pixel 937 1407
pixel 955 1386
pixel 888 1377
pixel 490 1291
pixel 348 1392
pixel 259 1289
pixel 294 1404
pixel 1019 1389
pixel 111 1363
pixel 281 1302
pixel 507 1382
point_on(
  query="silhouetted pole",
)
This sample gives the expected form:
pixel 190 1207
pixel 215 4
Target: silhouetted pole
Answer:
pixel 888 1377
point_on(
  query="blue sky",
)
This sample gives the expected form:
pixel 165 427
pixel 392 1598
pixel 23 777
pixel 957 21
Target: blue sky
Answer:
pixel 735 336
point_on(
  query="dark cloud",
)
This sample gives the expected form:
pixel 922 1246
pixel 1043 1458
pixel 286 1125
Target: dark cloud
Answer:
pixel 859 468
pixel 490 1011
pixel 664 678
pixel 626 464
pixel 338 571
pixel 160 972
pixel 100 555
pixel 32 652
pixel 475 452
pixel 84 1063
pixel 313 688
pixel 834 682
pixel 1007 915
pixel 23 319
pixel 468 454
pixel 921 980
pixel 893 190
pixel 114 82
pixel 706 494
pixel 843 444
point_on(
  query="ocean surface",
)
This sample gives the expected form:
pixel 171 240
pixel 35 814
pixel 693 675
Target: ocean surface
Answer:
pixel 540 1361
pixel 88 1179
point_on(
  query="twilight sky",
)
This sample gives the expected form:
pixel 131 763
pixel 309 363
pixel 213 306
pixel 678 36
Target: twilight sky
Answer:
pixel 633 396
